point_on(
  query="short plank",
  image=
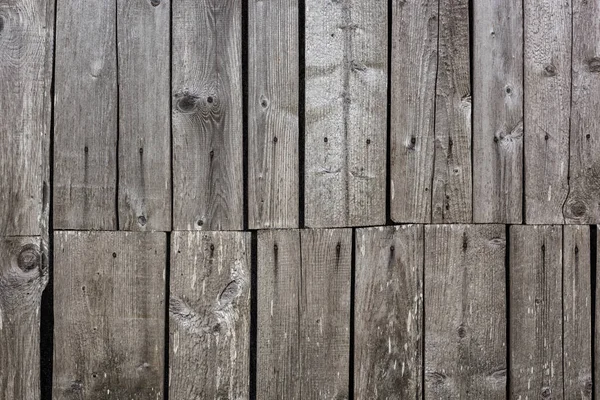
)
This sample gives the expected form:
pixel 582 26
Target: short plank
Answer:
pixel 109 302
pixel 273 169
pixel 209 314
pixel 144 115
pixel 207 115
pixel 346 111
pixel 85 116
pixel 23 277
pixel 498 111
pixel 465 312
pixel 388 308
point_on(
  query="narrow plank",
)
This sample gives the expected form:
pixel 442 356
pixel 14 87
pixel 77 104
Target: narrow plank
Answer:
pixel 465 312
pixel 26 35
pixel 388 339
pixel 452 183
pixel 144 112
pixel 109 293
pixel 412 113
pixel 85 116
pixel 498 111
pixel 346 108
pixel 547 101
pixel 273 169
pixel 535 320
pixel 207 115
pixel 209 310
pixel 23 277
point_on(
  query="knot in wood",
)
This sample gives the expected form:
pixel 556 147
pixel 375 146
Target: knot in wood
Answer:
pixel 546 392
pixel 187 103
pixel 142 220
pixel 462 331
pixel 29 257
pixel 549 70
pixel 594 64
pixel 578 209
pixel 155 3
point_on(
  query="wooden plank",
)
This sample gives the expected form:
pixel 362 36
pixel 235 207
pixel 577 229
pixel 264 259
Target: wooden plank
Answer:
pixel 273 168
pixel 23 277
pixel 535 320
pixel 388 339
pixel 346 100
pixel 109 293
pixel 452 187
pixel 26 34
pixel 207 115
pixel 548 102
pixel 209 310
pixel 498 111
pixel 85 116
pixel 465 312
pixel 144 124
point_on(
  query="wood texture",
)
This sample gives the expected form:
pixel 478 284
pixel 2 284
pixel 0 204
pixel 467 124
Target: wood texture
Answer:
pixel 207 115
pixel 465 312
pixel 346 95
pixel 498 111
pixel 273 169
pixel 209 310
pixel 109 294
pixel 388 304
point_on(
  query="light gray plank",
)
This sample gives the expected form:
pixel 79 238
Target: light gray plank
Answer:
pixel 209 314
pixel 346 96
pixel 207 115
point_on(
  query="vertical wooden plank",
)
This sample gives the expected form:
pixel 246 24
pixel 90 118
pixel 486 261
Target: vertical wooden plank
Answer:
pixel 273 114
pixel 388 340
pixel 209 310
pixel 23 277
pixel 498 111
pixel 346 89
pixel 109 293
pixel 547 104
pixel 144 124
pixel 452 183
pixel 207 115
pixel 85 116
pixel 278 303
pixel 535 321
pixel 465 312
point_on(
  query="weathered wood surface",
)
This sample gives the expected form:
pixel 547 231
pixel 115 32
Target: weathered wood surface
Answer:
pixel 388 304
pixel 209 314
pixel 85 116
pixel 465 312
pixel 23 277
pixel 144 115
pixel 109 315
pixel 207 115
pixel 497 111
pixel 273 85
pixel 345 111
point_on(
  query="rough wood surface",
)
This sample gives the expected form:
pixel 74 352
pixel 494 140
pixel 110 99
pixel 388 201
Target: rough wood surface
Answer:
pixel 465 312
pixel 209 314
pixel 388 304
pixel 273 169
pixel 207 115
pixel 109 315
pixel 497 111
pixel 346 109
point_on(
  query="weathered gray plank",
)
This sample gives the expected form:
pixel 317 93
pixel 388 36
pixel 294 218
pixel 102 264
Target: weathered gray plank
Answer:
pixel 388 337
pixel 498 111
pixel 85 116
pixel 207 115
pixel 109 317
pixel 547 104
pixel 413 76
pixel 23 277
pixel 209 310
pixel 273 114
pixel 144 124
pixel 465 312
pixel 346 89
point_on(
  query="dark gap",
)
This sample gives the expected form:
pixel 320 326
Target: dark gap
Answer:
pixel 507 310
pixel 301 119
pixel 245 111
pixel 593 264
pixel 523 197
pixel 352 297
pixel 118 115
pixel 388 154
pixel 253 313
pixel 171 112
pixel 471 62
pixel 166 333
